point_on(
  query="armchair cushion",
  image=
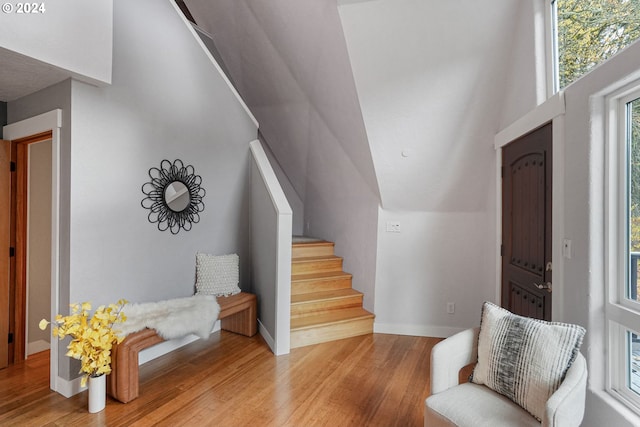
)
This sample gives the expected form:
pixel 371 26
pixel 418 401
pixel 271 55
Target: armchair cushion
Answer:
pixel 524 359
pixel 474 405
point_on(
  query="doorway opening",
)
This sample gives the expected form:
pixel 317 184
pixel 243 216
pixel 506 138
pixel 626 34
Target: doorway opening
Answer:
pixel 38 246
pixel 27 231
pixel 31 139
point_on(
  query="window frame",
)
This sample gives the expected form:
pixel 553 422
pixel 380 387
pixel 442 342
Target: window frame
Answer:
pixel 621 313
pixel 553 51
pixel 551 16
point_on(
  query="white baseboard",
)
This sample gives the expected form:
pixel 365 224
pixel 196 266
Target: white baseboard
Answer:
pixel 415 330
pixel 37 347
pixel 68 388
pixel 267 337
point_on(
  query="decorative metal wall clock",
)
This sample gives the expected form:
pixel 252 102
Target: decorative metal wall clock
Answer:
pixel 173 196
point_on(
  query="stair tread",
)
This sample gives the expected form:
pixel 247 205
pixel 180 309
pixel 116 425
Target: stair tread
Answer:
pixel 314 243
pixel 319 275
pixel 315 258
pixel 324 295
pixel 331 317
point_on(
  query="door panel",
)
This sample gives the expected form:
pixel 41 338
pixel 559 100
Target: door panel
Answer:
pixel 526 224
pixel 5 242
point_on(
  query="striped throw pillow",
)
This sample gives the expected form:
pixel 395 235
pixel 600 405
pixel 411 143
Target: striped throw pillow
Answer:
pixel 524 359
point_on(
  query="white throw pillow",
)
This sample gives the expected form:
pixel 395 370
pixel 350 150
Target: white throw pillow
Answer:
pixel 524 359
pixel 217 274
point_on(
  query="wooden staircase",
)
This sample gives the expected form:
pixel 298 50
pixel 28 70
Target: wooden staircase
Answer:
pixel 324 307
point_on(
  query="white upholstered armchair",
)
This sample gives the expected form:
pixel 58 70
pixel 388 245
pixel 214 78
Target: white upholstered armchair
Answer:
pixel 469 404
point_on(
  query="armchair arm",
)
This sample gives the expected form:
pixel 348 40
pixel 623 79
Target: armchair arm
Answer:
pixel 451 355
pixel 565 407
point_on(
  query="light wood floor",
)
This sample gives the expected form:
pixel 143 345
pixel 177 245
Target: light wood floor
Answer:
pixel 232 380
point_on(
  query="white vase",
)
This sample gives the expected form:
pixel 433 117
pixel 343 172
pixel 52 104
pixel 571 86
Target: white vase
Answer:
pixel 97 393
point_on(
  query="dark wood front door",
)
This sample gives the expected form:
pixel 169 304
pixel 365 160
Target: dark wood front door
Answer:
pixel 526 225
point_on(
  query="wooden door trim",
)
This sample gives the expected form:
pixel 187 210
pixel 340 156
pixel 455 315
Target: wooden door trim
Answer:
pixel 39 137
pixel 5 238
pixel 21 220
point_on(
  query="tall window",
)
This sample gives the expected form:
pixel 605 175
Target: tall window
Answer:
pixel 623 225
pixel 587 32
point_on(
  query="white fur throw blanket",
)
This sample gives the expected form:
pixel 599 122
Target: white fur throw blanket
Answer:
pixel 173 318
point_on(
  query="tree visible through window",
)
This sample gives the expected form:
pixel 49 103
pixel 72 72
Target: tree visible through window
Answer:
pixel 591 31
pixel 633 144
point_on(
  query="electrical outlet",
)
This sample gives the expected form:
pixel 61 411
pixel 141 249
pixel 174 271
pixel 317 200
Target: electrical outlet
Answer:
pixel 393 227
pixel 451 307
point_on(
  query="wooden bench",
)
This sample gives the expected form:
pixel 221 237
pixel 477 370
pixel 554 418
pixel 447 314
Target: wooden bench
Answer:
pixel 238 313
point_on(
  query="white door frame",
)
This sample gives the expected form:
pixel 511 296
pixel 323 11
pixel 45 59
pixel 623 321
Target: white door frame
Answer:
pixel 51 121
pixel 551 110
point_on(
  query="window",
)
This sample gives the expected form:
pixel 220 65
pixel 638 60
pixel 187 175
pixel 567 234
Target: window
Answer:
pixel 587 32
pixel 623 246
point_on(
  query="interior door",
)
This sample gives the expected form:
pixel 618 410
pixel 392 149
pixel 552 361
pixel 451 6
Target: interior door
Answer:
pixel 5 243
pixel 526 225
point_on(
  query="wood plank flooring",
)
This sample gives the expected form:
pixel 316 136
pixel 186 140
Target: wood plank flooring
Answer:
pixel 232 380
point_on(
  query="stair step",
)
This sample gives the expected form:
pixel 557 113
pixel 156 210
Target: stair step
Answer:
pixel 330 326
pixel 316 282
pixel 308 265
pixel 315 302
pixel 312 249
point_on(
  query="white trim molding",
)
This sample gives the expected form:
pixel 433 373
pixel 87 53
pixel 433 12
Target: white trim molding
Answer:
pixel 267 336
pixel 415 330
pixel 550 111
pixel 543 113
pixel 37 346
pixel 205 49
pixel 283 235
pixel 52 121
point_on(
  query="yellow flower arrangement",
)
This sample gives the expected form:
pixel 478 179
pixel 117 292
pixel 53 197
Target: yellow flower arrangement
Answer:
pixel 93 337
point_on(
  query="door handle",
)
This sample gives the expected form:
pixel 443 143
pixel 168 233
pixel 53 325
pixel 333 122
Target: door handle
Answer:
pixel 546 286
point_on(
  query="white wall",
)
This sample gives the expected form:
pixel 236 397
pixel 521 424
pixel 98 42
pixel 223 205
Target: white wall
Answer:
pixel 435 259
pixel 55 97
pixel 584 218
pixel 430 79
pixel 525 84
pixel 167 101
pixel 39 245
pixel 73 35
pixel 295 202
pixel 290 64
pixel 428 85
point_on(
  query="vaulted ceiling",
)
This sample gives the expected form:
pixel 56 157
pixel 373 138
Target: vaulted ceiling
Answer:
pixel 410 92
